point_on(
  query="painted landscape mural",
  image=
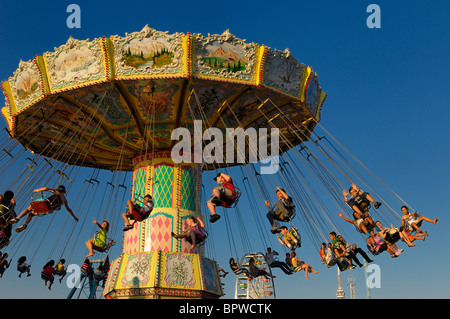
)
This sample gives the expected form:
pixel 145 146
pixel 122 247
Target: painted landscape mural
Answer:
pixel 145 53
pixel 226 57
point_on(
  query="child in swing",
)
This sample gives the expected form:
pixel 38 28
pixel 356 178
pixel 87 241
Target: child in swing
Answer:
pixel 23 267
pixel 60 269
pixel 287 238
pixel 47 274
pixel 98 242
pixel 136 212
pixel 193 233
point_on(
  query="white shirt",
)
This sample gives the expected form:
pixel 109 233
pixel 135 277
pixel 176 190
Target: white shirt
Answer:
pixel 270 257
pixel 329 255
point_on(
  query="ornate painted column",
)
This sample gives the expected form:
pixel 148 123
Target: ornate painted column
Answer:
pixel 153 264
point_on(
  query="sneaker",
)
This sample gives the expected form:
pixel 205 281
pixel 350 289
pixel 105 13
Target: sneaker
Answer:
pixel 13 220
pixel 127 227
pixel 214 218
pixel 376 205
pixel 21 228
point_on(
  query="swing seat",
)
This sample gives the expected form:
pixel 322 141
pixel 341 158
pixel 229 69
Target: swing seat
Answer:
pixel 47 277
pixel 364 206
pixel 229 201
pixel 22 267
pixel 200 237
pixel 108 243
pixel 100 275
pixel 4 240
pixel 372 252
pixel 86 269
pixel 139 215
pixel 282 218
pixel 60 273
pixel 412 229
pixel 6 213
pixel 297 236
pixel 42 204
pixel 107 247
pixel 346 264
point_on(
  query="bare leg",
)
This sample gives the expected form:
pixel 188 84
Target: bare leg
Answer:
pixel 363 228
pixel 90 246
pixel 405 239
pixel 369 198
pixel 212 208
pixel 25 212
pixel 125 218
pixel 130 206
pixel 306 268
pixel 29 217
pixel 427 220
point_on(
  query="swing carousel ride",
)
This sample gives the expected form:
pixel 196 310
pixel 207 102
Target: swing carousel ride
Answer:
pixel 112 104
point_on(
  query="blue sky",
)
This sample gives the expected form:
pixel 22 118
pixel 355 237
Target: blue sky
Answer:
pixel 387 104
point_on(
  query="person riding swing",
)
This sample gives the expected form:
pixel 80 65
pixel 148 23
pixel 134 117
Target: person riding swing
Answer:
pixel 359 201
pixel 55 201
pixel 290 237
pixel 195 233
pixel 283 210
pixel 226 194
pixel 136 212
pixel 100 242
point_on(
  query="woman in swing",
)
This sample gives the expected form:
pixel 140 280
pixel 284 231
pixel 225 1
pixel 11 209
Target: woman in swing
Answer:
pixel 194 234
pixel 299 265
pixel 413 220
pixel 98 242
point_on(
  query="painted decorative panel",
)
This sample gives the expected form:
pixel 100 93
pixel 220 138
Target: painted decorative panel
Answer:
pixel 148 53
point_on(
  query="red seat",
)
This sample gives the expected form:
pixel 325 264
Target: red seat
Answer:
pixel 139 216
pixel 42 207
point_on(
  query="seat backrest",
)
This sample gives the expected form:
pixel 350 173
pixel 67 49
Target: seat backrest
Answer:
pixel 139 215
pixel 231 201
pixel 42 207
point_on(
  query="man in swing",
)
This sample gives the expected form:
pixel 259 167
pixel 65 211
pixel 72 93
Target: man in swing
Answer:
pixel 282 211
pixel 57 199
pixel 222 195
pixel 136 212
pixel 359 201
